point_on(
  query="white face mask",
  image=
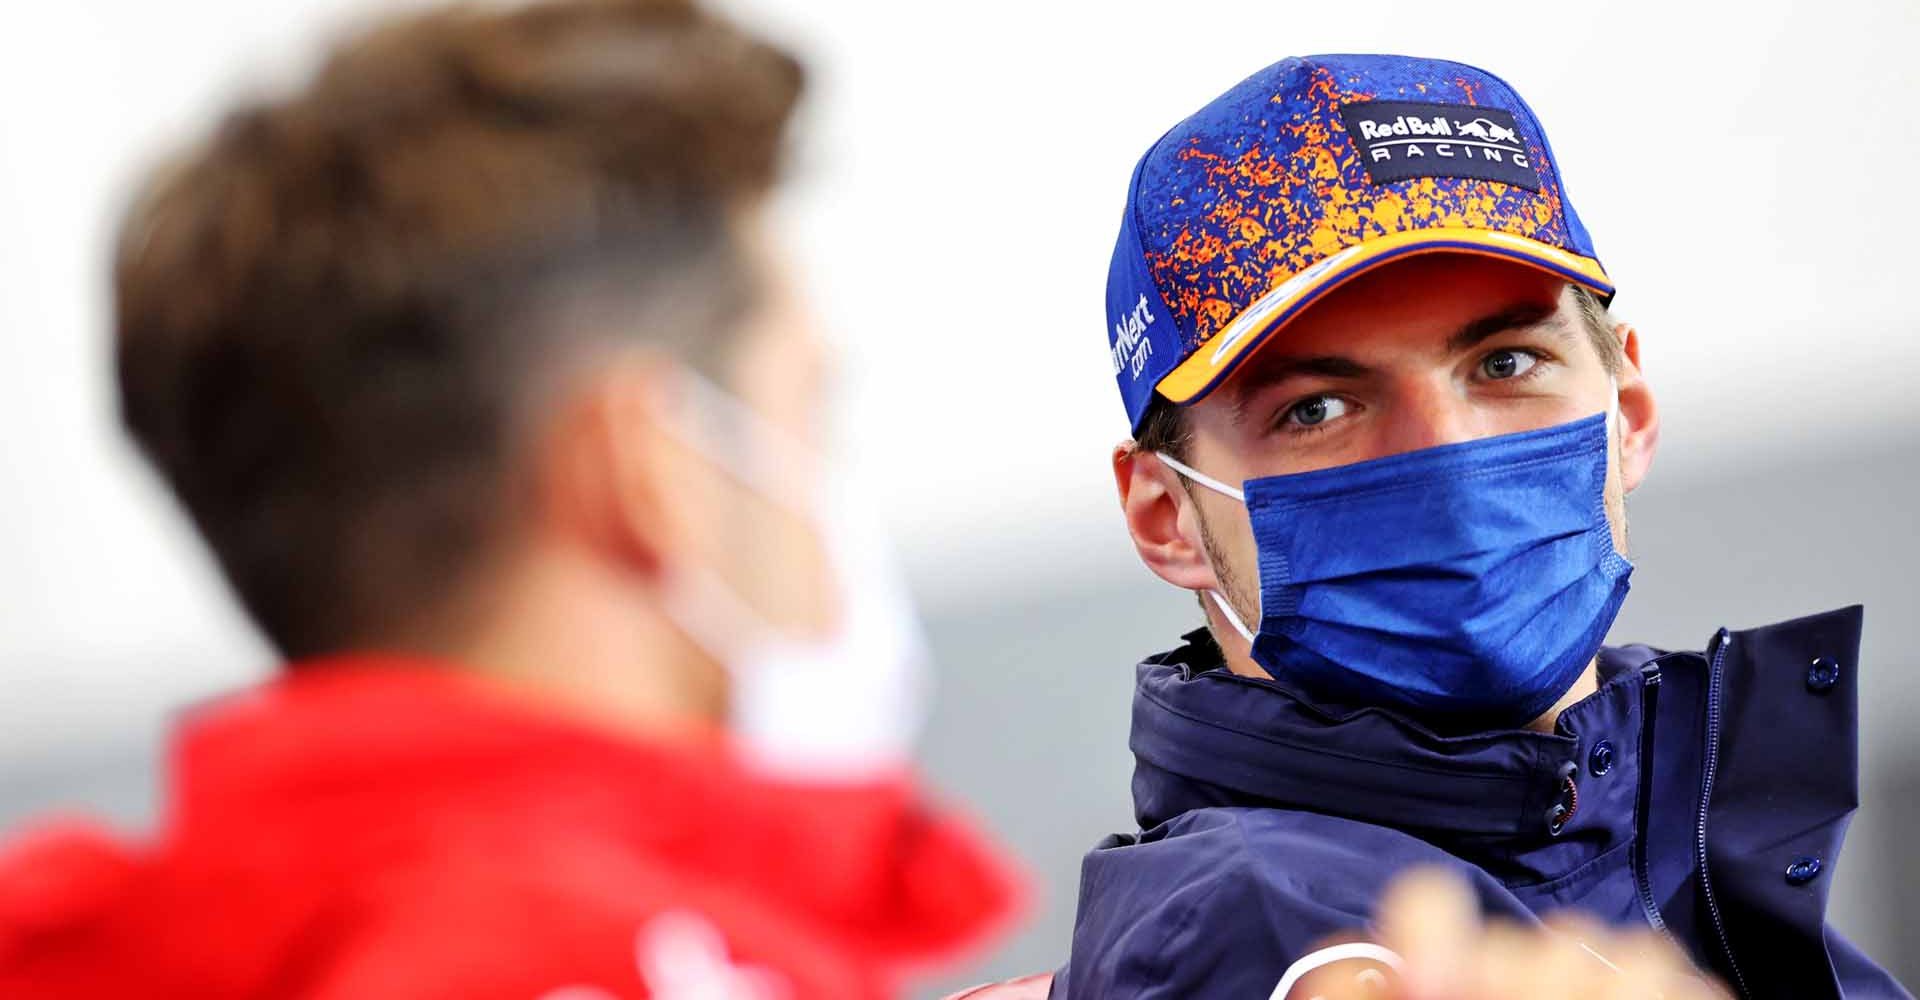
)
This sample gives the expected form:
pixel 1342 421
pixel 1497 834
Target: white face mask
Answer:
pixel 844 707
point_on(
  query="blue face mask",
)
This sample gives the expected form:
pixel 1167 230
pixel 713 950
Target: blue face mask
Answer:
pixel 1469 583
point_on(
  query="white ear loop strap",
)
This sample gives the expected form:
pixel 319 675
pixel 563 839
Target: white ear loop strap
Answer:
pixel 750 448
pixel 1219 601
pixel 1232 616
pixel 1200 477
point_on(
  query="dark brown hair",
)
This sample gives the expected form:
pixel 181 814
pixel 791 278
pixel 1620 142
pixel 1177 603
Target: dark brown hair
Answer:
pixel 331 312
pixel 1164 427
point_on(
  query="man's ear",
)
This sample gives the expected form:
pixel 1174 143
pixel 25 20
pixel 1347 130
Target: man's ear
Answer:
pixel 1162 518
pixel 1639 413
pixel 604 462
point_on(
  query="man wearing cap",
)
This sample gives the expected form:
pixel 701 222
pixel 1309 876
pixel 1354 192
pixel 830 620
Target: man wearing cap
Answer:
pixel 1383 427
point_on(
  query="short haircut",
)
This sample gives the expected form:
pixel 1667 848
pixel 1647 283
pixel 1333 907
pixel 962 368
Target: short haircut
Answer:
pixel 1163 428
pixel 332 313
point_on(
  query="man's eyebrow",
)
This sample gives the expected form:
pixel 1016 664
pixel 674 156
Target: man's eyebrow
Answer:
pixel 1516 317
pixel 1266 372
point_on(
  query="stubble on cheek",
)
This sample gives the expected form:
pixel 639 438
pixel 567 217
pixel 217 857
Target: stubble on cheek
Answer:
pixel 1616 504
pixel 1242 594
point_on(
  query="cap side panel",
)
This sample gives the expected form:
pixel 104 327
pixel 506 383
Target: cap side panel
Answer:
pixel 1144 338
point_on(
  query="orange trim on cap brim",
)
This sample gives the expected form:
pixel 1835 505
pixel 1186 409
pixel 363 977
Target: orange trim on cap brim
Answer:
pixel 1209 365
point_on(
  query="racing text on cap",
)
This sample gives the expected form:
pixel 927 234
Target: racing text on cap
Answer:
pixel 1399 140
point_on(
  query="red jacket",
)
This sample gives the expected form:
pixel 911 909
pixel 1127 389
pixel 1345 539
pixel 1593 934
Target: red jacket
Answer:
pixel 389 829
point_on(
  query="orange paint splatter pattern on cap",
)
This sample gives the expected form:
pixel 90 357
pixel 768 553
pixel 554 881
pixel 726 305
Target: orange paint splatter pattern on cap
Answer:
pixel 1232 211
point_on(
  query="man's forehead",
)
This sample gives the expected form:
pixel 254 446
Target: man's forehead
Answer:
pixel 1352 350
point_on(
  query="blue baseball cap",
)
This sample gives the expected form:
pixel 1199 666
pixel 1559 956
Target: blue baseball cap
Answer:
pixel 1306 174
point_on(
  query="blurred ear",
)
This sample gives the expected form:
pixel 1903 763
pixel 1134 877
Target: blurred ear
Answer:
pixel 1162 519
pixel 1639 413
pixel 605 462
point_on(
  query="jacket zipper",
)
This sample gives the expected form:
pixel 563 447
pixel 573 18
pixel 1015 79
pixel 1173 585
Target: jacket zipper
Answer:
pixel 1642 868
pixel 1721 642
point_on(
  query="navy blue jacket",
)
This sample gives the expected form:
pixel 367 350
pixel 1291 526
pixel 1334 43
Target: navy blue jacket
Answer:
pixel 1706 794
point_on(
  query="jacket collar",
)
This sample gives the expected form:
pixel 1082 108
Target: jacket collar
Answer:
pixel 1203 736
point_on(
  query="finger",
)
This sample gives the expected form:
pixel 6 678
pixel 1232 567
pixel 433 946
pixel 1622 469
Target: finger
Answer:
pixel 1345 967
pixel 1502 966
pixel 1431 919
pixel 1604 949
pixel 1565 967
pixel 1589 934
pixel 1651 966
pixel 1591 943
pixel 1680 979
pixel 1339 983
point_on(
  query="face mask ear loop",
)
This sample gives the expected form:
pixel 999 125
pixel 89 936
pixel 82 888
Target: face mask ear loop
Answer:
pixel 1203 479
pixel 1232 616
pixel 751 449
pixel 1219 600
pixel 1614 413
pixel 708 611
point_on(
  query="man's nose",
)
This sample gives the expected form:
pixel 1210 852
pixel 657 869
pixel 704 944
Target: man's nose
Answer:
pixel 1428 415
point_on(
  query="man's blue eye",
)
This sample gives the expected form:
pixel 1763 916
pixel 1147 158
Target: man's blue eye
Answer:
pixel 1315 411
pixel 1507 364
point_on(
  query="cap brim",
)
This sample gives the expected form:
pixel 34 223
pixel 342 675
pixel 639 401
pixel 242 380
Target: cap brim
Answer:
pixel 1200 373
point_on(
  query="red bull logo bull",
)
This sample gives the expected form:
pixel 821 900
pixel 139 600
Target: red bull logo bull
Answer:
pixel 1487 130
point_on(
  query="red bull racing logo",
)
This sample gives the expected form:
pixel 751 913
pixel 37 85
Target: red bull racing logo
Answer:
pixel 1400 140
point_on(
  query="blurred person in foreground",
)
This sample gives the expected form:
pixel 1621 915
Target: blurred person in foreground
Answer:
pixel 1384 426
pixel 476 366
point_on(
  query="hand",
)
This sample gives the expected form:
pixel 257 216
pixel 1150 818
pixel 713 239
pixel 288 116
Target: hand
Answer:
pixel 1430 920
